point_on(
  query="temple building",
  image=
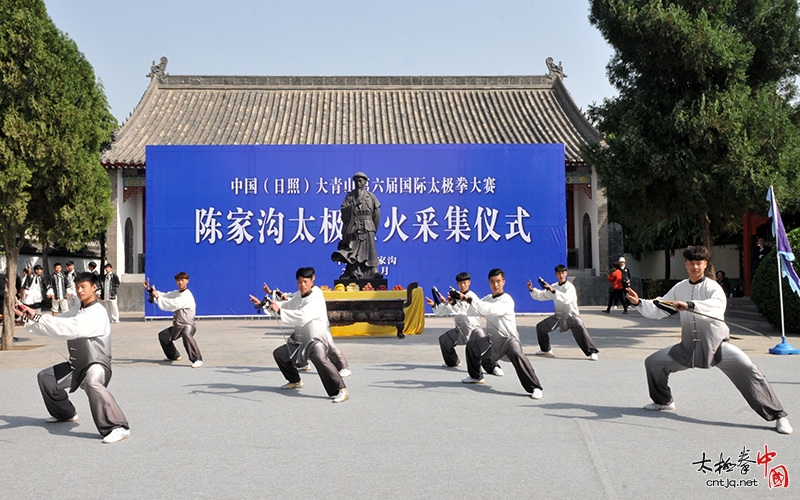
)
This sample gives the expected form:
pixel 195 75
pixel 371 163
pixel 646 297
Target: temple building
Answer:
pixel 219 110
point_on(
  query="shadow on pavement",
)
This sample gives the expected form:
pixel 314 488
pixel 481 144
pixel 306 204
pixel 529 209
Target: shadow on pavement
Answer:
pixel 612 412
pixel 439 384
pixel 223 389
pixel 56 429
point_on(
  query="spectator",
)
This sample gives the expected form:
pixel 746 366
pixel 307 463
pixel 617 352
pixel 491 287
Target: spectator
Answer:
pixel 34 289
pixel 724 283
pixel 617 291
pixel 57 290
pixel 758 253
pixel 108 293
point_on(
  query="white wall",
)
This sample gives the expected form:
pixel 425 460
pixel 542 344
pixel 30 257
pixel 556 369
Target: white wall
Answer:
pixel 726 258
pixel 129 209
pixel 585 205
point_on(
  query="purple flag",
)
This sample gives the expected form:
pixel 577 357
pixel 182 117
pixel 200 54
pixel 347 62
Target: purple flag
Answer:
pixel 785 254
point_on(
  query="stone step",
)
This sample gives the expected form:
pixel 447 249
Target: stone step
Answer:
pixel 741 304
pixel 741 310
pixel 741 314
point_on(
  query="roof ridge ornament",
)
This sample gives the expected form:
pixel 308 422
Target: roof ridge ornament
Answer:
pixel 159 70
pixel 554 70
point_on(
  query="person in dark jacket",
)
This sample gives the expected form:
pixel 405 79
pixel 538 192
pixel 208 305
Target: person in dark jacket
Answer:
pixel 758 253
pixel 725 283
pixel 108 293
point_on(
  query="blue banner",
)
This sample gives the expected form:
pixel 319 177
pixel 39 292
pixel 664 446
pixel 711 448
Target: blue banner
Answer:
pixel 234 217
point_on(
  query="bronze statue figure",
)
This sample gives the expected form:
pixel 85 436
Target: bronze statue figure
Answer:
pixel 361 216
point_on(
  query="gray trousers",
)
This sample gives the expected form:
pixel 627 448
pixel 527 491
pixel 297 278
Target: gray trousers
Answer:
pixel 169 335
pixel 334 353
pixel 337 358
pixel 450 339
pixel 735 364
pixel 579 332
pixel 479 353
pixel 105 411
pixel 318 355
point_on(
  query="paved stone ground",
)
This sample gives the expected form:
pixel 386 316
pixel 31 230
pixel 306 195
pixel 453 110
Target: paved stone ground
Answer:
pixel 410 430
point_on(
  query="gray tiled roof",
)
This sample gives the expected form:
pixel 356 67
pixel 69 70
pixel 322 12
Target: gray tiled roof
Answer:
pixel 351 110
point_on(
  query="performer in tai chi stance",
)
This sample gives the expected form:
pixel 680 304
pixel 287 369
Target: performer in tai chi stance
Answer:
pixel 334 353
pixel 466 326
pixel 705 342
pixel 503 339
pixel 306 311
pixel 88 333
pixel 181 302
pixel 566 317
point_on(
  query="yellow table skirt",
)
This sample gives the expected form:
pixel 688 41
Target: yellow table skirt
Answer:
pixel 415 313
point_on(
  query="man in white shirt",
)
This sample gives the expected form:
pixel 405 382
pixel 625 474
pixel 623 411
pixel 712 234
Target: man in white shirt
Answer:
pixel 306 311
pixel 57 290
pixel 503 339
pixel 335 354
pixel 34 289
pixel 181 303
pixel 70 274
pixel 108 293
pixel 705 342
pixel 566 317
pixel 88 334
pixel 466 326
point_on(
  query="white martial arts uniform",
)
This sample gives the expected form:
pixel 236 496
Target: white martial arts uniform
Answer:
pixel 88 336
pixel 309 316
pixel 466 327
pixel 566 317
pixel 183 306
pixel 503 340
pixel 705 342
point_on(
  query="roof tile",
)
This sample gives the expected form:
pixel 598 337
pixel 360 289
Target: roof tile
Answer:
pixel 351 110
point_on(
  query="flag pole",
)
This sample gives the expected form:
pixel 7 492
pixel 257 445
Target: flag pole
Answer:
pixel 783 347
pixel 780 294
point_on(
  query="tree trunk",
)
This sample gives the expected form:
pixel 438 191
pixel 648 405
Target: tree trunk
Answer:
pixel 12 256
pixel 102 252
pixel 45 259
pixel 708 242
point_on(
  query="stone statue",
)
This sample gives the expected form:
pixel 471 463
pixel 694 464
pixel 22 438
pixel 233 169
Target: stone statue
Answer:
pixel 158 70
pixel 553 69
pixel 361 216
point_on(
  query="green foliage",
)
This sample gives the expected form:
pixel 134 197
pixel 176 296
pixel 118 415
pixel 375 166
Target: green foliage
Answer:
pixel 54 121
pixel 703 123
pixel 764 290
pixel 668 233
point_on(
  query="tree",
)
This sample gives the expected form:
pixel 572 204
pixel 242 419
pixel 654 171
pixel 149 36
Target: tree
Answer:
pixel 54 121
pixel 703 123
pixel 666 234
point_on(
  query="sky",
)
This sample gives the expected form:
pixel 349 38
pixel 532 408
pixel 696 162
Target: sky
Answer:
pixel 121 39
